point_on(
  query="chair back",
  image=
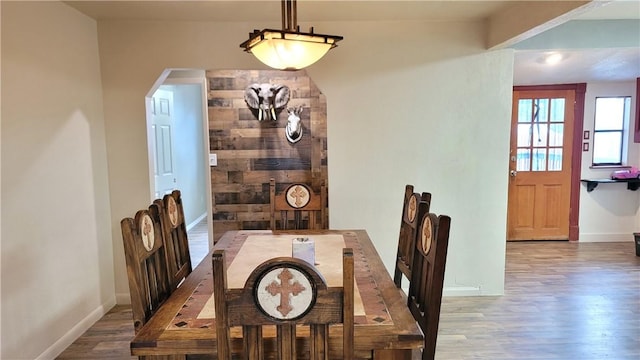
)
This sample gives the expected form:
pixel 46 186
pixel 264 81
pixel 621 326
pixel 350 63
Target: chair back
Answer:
pixel 175 236
pixel 291 295
pixel 297 206
pixel 144 251
pixel 425 287
pixel 414 206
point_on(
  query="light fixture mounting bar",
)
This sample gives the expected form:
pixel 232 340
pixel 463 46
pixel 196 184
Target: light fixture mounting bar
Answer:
pixel 289 15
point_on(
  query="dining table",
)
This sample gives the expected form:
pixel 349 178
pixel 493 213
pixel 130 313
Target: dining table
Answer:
pixel 185 323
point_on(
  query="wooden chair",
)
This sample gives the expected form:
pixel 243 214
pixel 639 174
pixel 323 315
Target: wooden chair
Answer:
pixel 175 235
pixel 308 208
pixel 309 302
pixel 427 277
pixel 414 205
pixel 144 251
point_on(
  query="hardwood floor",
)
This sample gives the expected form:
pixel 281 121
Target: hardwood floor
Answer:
pixel 108 339
pixel 198 242
pixel 562 300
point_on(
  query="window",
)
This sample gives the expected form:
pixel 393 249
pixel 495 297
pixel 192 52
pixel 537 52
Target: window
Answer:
pixel 612 113
pixel 540 134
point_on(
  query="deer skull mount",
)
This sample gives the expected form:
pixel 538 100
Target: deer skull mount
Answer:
pixel 266 100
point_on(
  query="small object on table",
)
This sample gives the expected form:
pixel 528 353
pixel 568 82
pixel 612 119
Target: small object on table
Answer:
pixel 304 248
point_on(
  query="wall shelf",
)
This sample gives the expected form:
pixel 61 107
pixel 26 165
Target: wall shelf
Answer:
pixel 632 184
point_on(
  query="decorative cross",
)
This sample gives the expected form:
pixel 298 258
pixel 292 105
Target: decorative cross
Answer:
pixel 285 289
pixel 412 209
pixel 173 212
pixel 426 236
pixel 147 229
pixel 298 193
pixel 146 226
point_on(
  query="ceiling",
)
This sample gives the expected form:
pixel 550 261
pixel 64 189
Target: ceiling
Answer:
pixel 269 10
pixel 579 64
pixel 600 63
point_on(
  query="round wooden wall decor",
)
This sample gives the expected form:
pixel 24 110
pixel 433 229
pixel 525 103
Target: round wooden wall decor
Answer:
pixel 426 234
pixel 298 196
pixel 147 232
pixel 285 293
pixel 412 208
pixel 172 210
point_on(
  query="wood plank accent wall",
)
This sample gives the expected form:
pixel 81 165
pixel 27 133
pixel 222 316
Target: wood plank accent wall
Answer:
pixel 250 152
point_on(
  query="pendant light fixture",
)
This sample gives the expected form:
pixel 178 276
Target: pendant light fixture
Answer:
pixel 289 49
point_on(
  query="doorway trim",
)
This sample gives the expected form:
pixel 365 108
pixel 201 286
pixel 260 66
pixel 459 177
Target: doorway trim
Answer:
pixel 183 76
pixel 576 156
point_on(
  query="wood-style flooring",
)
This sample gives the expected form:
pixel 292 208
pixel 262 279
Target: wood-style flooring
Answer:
pixel 569 301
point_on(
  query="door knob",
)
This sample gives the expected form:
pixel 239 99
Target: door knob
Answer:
pixel 513 173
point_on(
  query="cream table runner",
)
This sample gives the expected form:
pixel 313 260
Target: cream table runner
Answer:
pixel 259 248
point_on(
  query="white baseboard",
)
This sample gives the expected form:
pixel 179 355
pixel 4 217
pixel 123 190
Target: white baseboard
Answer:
pixel 67 339
pixel 606 237
pixel 461 291
pixel 196 221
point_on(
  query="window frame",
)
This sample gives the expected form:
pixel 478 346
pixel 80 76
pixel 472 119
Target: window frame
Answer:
pixel 636 135
pixel 626 118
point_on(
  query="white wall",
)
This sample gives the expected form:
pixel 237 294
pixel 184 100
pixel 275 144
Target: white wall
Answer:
pixel 610 212
pixel 57 259
pixel 432 108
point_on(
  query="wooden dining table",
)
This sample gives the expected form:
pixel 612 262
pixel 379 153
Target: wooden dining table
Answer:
pixel 185 323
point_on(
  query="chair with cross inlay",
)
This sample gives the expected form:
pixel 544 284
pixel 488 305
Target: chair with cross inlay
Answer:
pixel 144 251
pixel 427 277
pixel 175 236
pixel 288 294
pixel 297 206
pixel 413 206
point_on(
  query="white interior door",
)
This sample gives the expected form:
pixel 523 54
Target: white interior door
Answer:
pixel 162 128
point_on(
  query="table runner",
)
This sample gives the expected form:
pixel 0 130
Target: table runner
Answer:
pixel 199 312
pixel 259 248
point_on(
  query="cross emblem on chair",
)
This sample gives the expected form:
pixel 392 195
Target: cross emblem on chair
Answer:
pixel 285 289
pixel 298 193
pixel 426 235
pixel 413 207
pixel 173 211
pixel 146 227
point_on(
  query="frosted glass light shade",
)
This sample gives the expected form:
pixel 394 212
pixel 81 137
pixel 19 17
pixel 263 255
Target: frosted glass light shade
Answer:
pixel 289 50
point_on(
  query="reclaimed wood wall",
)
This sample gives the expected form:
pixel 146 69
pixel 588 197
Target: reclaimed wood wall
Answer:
pixel 250 152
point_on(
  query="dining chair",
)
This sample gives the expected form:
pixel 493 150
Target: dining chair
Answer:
pixel 145 257
pixel 427 277
pixel 175 235
pixel 308 208
pixel 413 205
pixel 291 295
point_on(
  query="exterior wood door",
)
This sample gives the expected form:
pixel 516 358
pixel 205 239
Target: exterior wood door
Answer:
pixel 540 165
pixel 162 125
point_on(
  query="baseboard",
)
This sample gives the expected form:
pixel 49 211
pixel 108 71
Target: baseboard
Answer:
pixel 123 299
pixel 624 237
pixel 67 339
pixel 196 221
pixel 461 291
